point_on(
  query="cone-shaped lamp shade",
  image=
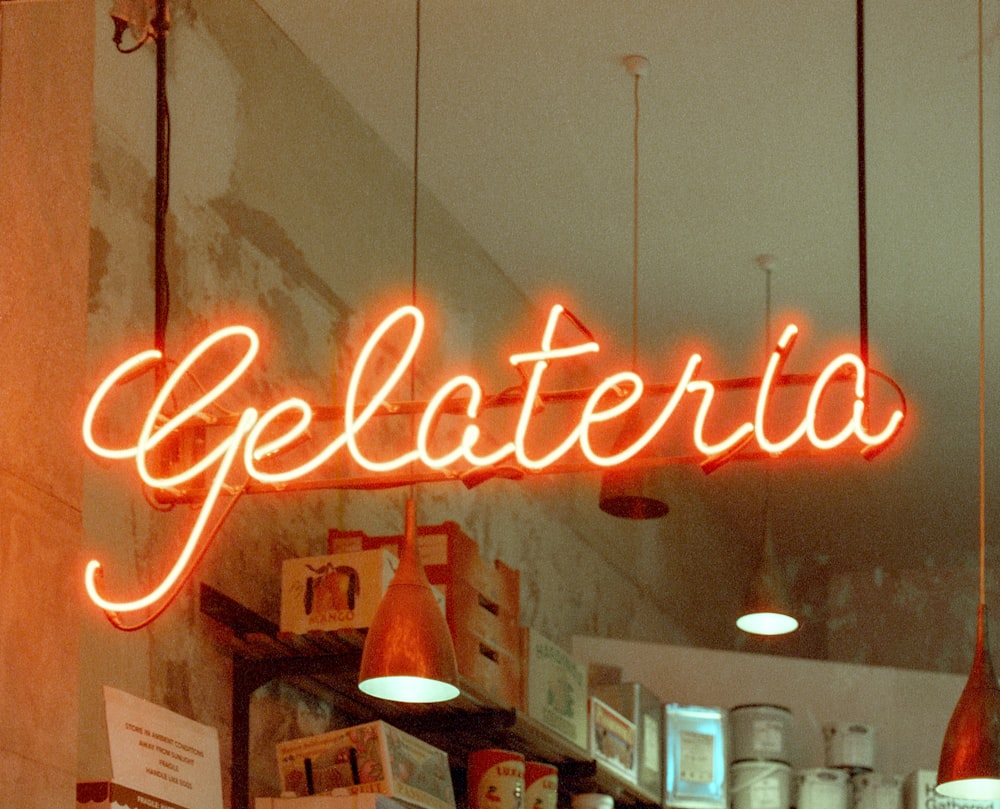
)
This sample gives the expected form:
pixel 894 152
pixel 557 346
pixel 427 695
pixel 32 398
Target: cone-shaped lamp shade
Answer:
pixel 633 494
pixel 766 606
pixel 408 654
pixel 969 767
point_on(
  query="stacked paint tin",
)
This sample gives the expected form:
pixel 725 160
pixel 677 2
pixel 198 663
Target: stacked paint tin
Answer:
pixel 822 788
pixel 850 746
pixel 849 780
pixel 849 749
pixel 760 768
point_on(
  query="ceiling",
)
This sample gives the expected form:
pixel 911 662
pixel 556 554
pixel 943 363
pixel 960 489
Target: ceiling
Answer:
pixel 747 146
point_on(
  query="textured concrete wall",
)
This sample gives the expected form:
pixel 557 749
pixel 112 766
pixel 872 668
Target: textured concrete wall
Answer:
pixel 45 128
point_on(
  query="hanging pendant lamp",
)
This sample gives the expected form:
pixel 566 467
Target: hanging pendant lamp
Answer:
pixel 969 767
pixel 634 494
pixel 408 654
pixel 765 609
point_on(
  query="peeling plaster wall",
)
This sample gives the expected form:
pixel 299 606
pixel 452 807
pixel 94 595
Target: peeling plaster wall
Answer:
pixel 286 211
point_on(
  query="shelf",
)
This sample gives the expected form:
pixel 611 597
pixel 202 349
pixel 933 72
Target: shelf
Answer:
pixel 326 664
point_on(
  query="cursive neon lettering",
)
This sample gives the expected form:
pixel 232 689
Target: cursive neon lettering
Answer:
pixel 255 437
pixel 734 440
pixel 353 423
pixel 230 448
pixel 855 425
pixel 470 433
pixel 775 364
pixel 540 362
pixel 158 426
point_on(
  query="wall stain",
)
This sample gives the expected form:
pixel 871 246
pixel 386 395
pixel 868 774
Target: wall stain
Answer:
pixel 100 250
pixel 263 232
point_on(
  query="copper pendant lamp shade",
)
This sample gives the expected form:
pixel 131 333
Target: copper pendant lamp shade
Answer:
pixel 969 767
pixel 408 654
pixel 633 494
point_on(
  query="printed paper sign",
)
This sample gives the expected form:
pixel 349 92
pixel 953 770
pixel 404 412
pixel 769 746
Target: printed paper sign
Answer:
pixel 161 753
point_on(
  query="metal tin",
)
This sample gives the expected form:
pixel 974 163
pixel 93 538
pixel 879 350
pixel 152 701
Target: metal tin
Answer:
pixel 873 790
pixel 495 779
pixel 592 800
pixel 850 745
pixel 759 733
pixel 760 785
pixel 821 788
pixel 541 785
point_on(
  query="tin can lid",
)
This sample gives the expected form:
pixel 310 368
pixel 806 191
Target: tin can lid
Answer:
pixel 593 800
pixel 761 705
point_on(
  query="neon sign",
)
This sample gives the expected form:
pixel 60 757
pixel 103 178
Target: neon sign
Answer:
pixel 254 438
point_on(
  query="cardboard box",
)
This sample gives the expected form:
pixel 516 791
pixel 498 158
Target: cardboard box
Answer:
pixel 449 556
pixel 339 591
pixel 611 739
pixel 640 705
pixel 362 801
pixel 373 758
pixel 554 687
pixel 918 793
pixel 109 795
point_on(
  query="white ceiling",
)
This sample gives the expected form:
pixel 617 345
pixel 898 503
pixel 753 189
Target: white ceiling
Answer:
pixel 748 143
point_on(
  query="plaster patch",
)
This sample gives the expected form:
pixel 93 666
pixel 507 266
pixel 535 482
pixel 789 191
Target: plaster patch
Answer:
pixel 204 123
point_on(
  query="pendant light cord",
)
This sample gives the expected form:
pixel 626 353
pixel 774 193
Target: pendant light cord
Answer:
pixel 862 186
pixel 635 227
pixel 161 283
pixel 416 173
pixel 766 264
pixel 982 322
pixel 416 203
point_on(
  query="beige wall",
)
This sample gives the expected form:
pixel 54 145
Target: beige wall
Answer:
pixel 46 68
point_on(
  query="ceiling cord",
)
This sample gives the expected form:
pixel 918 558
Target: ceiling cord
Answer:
pixel 862 186
pixel 635 227
pixel 416 203
pixel 982 323
pixel 161 282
